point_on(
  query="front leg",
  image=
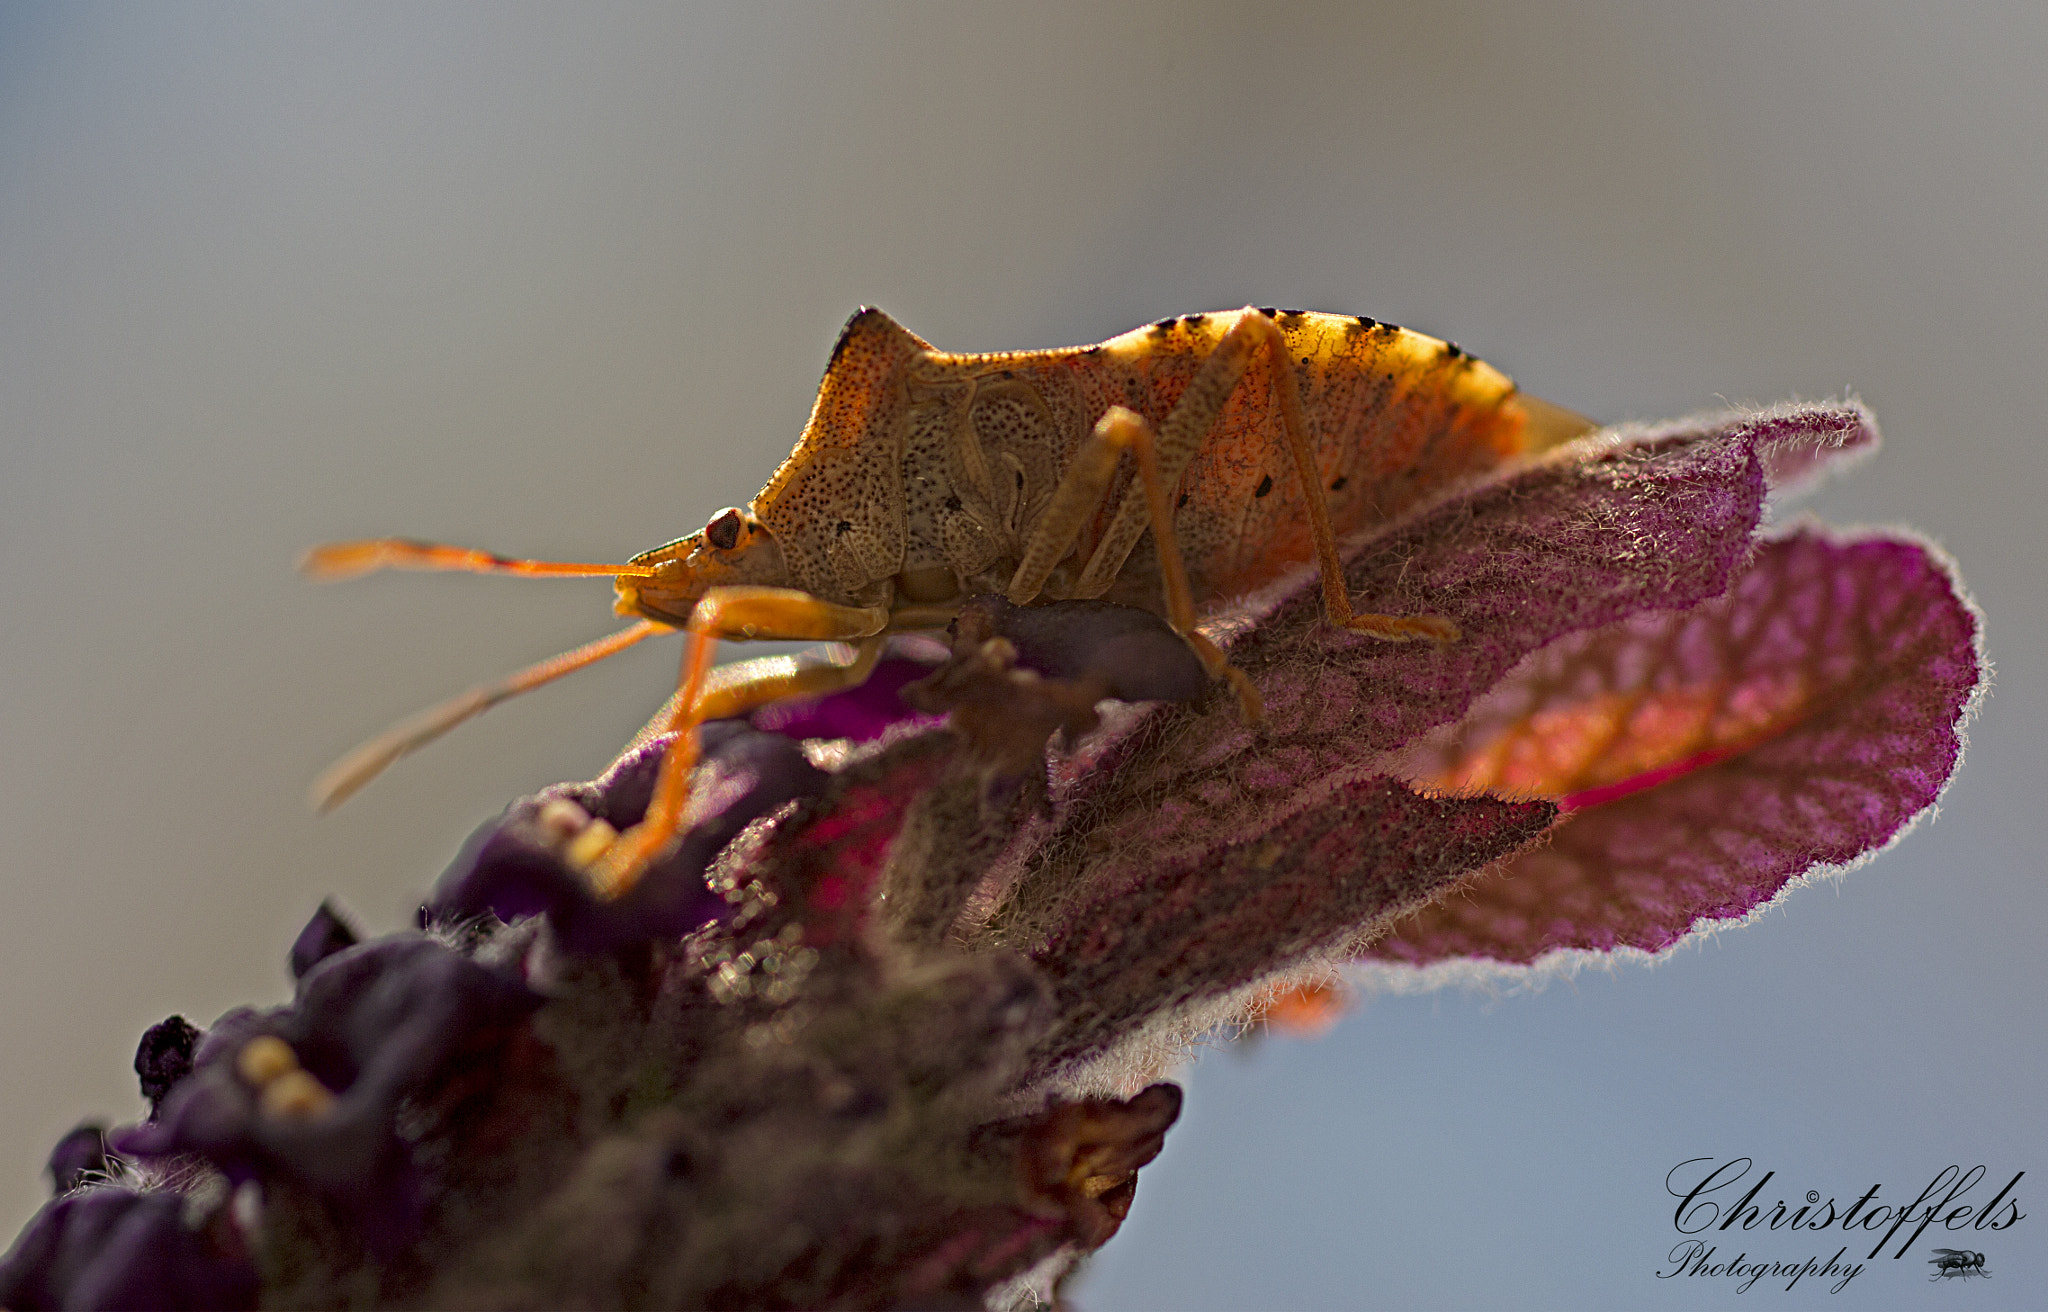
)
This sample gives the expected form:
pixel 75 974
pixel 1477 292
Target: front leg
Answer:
pixel 733 612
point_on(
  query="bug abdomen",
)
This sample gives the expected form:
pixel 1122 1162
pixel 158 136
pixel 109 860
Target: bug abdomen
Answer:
pixel 1395 417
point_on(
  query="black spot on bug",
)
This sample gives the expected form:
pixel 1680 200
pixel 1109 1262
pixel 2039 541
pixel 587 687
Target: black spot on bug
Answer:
pixel 723 532
pixel 1390 327
pixel 1195 320
pixel 1363 324
pixel 1182 502
pixel 1337 485
pixel 1265 486
pixel 1092 351
pixel 952 503
pixel 1452 351
pixel 843 526
pixel 1164 326
pixel 1269 312
pixel 1294 316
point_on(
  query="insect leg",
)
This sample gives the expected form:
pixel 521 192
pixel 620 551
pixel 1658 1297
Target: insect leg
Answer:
pixel 1181 436
pixel 1177 441
pixel 1336 598
pixel 342 779
pixel 734 690
pixel 1080 491
pixel 734 612
pixel 1077 496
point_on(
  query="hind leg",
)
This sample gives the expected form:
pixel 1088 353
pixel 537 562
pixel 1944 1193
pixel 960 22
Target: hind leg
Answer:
pixel 1336 599
pixel 1190 425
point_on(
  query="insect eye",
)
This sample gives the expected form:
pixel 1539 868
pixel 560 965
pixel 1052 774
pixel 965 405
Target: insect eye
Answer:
pixel 723 532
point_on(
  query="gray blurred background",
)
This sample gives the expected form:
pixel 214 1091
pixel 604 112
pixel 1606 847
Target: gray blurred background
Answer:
pixel 561 281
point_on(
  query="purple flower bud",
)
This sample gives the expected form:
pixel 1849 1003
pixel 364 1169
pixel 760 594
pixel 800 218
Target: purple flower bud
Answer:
pixel 861 713
pixel 377 1019
pixel 78 1158
pixel 324 935
pixel 210 1114
pixel 371 1024
pixel 514 866
pixel 220 1041
pixel 114 1248
pixel 164 1057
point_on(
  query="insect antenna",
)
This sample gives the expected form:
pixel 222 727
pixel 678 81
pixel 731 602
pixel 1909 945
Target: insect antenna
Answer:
pixel 351 772
pixel 347 560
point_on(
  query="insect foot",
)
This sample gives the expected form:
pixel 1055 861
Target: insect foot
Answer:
pixel 1019 674
pixel 886 1026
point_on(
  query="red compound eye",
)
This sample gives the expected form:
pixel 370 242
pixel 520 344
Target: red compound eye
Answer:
pixel 723 532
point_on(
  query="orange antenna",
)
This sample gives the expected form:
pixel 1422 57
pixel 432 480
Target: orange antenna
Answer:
pixel 341 780
pixel 347 560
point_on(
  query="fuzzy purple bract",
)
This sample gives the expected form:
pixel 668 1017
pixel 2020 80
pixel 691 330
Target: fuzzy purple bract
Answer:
pixel 884 1028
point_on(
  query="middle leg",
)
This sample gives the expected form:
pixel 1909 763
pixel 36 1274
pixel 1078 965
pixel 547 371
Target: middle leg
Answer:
pixel 1080 493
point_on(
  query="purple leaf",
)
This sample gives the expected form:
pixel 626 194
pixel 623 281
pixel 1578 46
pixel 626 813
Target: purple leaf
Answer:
pixel 1194 929
pixel 78 1158
pixel 824 863
pixel 1800 443
pixel 1515 563
pixel 1712 756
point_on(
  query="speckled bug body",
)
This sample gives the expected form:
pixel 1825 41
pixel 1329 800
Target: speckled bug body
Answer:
pixel 922 474
pixel 1255 439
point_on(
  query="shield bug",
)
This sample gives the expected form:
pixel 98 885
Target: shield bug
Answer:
pixel 1246 442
